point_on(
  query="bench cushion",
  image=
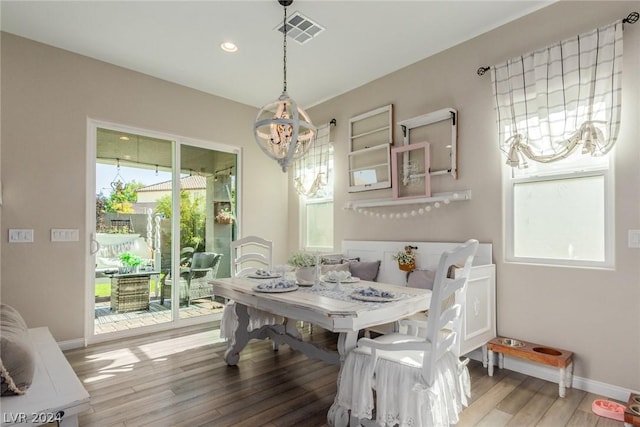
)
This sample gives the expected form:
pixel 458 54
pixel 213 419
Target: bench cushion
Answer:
pixel 17 355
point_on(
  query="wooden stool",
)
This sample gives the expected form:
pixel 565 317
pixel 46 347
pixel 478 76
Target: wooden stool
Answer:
pixel 632 411
pixel 561 359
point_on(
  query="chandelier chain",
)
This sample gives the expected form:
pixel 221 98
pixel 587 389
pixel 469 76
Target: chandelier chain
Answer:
pixel 283 130
pixel 284 46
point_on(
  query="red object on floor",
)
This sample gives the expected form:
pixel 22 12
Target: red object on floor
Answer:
pixel 609 409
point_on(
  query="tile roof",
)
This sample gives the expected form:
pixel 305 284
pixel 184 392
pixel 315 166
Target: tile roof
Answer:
pixel 194 182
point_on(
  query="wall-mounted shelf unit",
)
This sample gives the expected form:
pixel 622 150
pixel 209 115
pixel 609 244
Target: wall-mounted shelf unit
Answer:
pixel 445 198
pixel 440 129
pixel 370 139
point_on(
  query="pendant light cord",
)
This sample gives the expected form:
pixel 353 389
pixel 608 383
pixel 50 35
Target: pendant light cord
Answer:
pixel 284 47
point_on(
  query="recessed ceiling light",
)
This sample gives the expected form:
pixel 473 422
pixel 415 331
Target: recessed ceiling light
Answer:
pixel 229 47
pixel 124 138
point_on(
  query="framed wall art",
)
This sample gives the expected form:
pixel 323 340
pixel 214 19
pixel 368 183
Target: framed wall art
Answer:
pixel 410 170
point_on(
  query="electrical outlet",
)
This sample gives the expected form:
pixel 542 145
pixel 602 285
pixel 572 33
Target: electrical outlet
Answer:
pixel 20 235
pixel 65 235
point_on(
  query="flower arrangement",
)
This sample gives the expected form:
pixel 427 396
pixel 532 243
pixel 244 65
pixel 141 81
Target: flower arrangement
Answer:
pixel 406 259
pixel 305 264
pixel 225 216
pixel 302 259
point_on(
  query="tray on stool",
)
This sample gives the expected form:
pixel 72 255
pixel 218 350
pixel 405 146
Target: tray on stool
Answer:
pixel 561 359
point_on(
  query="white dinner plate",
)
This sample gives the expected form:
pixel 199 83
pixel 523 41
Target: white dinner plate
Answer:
pixel 358 296
pixel 351 279
pixel 265 289
pixel 258 276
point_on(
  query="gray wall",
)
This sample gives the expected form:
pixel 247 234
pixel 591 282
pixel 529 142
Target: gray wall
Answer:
pixel 593 312
pixel 47 96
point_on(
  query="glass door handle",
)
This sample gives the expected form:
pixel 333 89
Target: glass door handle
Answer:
pixel 94 245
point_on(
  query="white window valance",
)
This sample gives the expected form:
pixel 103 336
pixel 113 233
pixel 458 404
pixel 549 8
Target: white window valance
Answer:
pixel 551 101
pixel 312 172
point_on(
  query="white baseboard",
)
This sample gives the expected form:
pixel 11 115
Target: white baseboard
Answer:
pixel 551 374
pixel 71 344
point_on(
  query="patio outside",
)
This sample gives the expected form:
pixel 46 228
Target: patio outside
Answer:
pixel 133 272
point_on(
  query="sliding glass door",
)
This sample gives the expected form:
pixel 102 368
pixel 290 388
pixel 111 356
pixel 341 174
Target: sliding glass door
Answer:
pixel 207 226
pixel 161 231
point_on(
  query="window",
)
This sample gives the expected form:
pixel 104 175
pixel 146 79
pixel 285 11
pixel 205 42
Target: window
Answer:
pixel 560 108
pixel 314 183
pixel 318 224
pixel 561 213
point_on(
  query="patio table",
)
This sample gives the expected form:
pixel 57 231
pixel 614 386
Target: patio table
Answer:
pixel 130 292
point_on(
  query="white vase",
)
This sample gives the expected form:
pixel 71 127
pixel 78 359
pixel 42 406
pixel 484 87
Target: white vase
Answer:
pixel 305 274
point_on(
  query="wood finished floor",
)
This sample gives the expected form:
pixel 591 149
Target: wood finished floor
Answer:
pixel 178 378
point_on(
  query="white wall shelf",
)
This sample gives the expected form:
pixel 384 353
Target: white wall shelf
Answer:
pixel 446 198
pixel 370 139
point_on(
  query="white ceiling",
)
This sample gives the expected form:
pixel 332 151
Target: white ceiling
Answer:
pixel 179 41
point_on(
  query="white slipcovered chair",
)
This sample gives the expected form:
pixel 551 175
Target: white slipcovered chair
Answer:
pixel 418 380
pixel 247 256
pixel 250 254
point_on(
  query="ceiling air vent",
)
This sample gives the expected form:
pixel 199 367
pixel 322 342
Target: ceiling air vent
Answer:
pixel 300 28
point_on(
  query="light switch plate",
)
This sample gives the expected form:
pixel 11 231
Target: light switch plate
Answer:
pixel 634 238
pixel 65 235
pixel 20 235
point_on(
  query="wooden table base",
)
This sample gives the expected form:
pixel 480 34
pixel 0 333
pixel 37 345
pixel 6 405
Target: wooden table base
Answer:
pixel 632 411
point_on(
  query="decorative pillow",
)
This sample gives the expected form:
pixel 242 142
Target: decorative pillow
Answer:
pixel 337 259
pixel 421 279
pixel 17 356
pixel 365 270
pixel 331 259
pixel 324 269
pixel 451 272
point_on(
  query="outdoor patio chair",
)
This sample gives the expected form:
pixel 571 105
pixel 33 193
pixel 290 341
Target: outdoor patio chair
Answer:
pixel 204 267
pixel 186 254
pixel 194 277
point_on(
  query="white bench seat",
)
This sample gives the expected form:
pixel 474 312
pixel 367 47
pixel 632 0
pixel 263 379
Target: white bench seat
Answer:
pixel 56 393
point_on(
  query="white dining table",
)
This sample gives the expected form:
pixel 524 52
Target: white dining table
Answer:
pixel 330 307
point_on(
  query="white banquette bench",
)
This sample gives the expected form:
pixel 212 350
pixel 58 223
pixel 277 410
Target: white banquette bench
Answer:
pixel 479 314
pixel 39 386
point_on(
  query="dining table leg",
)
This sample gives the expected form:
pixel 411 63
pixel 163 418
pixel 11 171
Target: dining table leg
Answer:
pixel 337 415
pixel 240 336
pixel 346 342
